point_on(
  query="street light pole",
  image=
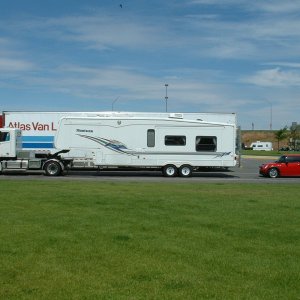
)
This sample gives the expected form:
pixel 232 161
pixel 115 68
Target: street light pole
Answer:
pixel 112 104
pixel 271 114
pixel 166 97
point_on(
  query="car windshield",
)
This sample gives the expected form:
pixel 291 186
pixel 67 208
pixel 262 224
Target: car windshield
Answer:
pixel 281 159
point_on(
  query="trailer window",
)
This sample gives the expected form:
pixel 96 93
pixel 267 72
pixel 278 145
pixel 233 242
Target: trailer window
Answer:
pixel 151 138
pixel 175 140
pixel 206 143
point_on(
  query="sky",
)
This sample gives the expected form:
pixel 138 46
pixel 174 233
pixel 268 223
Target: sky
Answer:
pixel 225 56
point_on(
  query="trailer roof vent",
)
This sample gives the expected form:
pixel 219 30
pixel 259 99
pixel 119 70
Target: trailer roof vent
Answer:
pixel 176 116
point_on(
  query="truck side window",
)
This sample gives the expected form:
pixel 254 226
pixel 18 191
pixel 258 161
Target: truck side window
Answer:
pixel 206 143
pixel 151 138
pixel 4 136
pixel 175 140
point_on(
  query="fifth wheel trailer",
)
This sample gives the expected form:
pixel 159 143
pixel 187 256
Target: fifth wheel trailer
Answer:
pixel 172 143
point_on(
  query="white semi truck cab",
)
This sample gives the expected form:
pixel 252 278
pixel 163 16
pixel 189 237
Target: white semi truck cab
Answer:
pixel 14 158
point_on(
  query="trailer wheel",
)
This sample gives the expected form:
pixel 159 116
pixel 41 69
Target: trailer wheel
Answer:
pixel 53 168
pixel 185 171
pixel 170 171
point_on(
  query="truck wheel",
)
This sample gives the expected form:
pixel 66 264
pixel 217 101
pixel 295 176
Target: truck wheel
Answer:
pixel 53 168
pixel 273 173
pixel 170 171
pixel 185 171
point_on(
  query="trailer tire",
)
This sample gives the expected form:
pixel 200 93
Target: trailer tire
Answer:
pixel 170 171
pixel 185 171
pixel 53 168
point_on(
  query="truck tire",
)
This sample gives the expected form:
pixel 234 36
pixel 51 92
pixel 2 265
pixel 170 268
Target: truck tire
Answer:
pixel 185 171
pixel 170 171
pixel 53 168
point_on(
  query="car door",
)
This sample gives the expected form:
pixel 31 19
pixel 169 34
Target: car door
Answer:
pixel 292 166
pixel 296 166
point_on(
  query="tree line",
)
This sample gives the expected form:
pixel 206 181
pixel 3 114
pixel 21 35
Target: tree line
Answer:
pixel 292 133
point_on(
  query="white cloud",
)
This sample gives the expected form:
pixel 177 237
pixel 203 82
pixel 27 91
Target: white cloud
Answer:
pixel 129 85
pixel 273 6
pixel 280 6
pixel 200 34
pixel 98 31
pixel 215 2
pixel 261 34
pixel 275 78
pixel 11 59
pixel 14 65
pixel 283 64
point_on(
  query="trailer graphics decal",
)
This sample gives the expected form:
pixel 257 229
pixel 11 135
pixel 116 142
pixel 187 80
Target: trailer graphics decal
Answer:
pixel 110 144
pixel 121 148
pixel 223 154
pixel 37 142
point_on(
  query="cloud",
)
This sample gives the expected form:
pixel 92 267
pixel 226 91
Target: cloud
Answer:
pixel 274 6
pixel 14 65
pixel 197 35
pixel 280 7
pixel 214 2
pixel 284 64
pixel 11 59
pixel 268 29
pixel 130 85
pixel 275 78
pixel 99 31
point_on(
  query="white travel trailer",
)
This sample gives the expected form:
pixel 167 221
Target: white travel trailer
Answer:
pixel 172 143
pixel 262 146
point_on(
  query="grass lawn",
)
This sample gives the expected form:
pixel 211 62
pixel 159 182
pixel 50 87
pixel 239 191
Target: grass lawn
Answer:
pixel 106 240
pixel 267 153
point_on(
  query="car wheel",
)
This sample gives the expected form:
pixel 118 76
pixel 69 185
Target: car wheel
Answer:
pixel 170 171
pixel 53 168
pixel 273 173
pixel 185 171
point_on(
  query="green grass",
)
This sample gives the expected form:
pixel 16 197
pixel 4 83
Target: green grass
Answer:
pixel 78 240
pixel 267 153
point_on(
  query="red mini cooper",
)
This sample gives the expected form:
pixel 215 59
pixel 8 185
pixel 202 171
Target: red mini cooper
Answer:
pixel 286 165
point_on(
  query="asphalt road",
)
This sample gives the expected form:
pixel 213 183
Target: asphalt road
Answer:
pixel 247 173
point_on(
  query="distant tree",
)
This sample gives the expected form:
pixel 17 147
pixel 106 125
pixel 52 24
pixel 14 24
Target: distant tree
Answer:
pixel 295 135
pixel 281 134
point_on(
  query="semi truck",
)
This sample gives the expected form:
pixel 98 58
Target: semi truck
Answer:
pixel 14 158
pixel 176 143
